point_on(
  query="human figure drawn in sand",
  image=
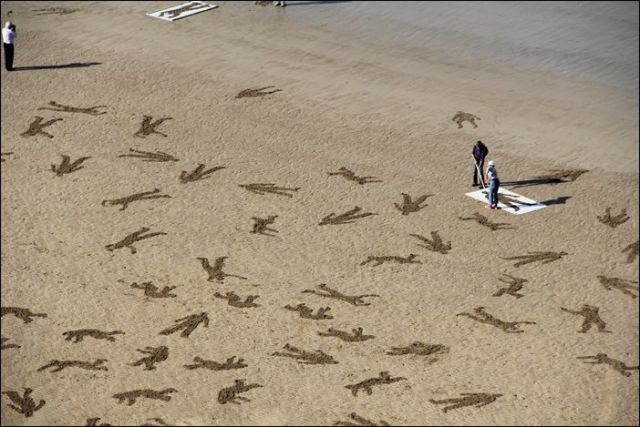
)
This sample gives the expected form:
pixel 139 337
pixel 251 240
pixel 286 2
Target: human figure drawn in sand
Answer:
pixel 515 285
pixel 23 314
pixel 5 345
pixel 198 173
pixel 461 117
pixel 188 324
pixel 2 155
pixel 614 221
pixel 480 315
pixel 591 317
pixel 307 313
pixel 236 301
pixel 130 239
pixel 230 394
pixel 470 399
pixel 59 365
pixel 602 358
pixel 558 176
pixel 154 355
pixel 420 349
pixel 187 7
pixel 132 396
pixel 435 244
pixel 261 225
pixel 253 93
pixel 261 189
pixel 35 128
pixel 535 256
pixel 24 404
pixel 54 11
pixel 351 176
pixel 67 167
pixel 367 385
pixel 54 106
pixel 624 286
pixel 483 220
pixel 633 249
pixel 355 336
pixel 345 218
pixel 145 195
pixel 148 127
pixel 147 156
pixel 357 420
pixel 303 357
pixel 95 421
pixel 409 205
pixel 151 290
pixel 215 272
pixel 230 363
pixel 379 260
pixel 327 292
pixel 79 334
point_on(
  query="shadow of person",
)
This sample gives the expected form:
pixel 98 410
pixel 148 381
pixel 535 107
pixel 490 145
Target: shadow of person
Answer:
pixel 557 201
pixel 54 67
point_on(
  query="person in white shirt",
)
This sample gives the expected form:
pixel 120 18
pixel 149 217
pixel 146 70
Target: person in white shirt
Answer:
pixel 8 40
pixel 494 185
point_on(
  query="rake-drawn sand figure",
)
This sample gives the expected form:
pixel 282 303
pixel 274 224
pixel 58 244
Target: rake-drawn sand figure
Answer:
pixel 215 272
pixel 188 324
pixel 367 385
pixel 35 128
pixel 591 317
pixel 379 260
pixel 130 239
pixel 59 365
pixel 480 315
pixel 54 11
pixel 145 195
pixel 23 314
pixel 66 166
pixel 236 301
pixel 230 363
pixel 132 396
pixel 602 358
pixel 558 176
pixel 536 256
pixel 461 117
pixel 230 394
pixel 615 220
pixel 484 221
pixel 515 285
pixel 261 225
pixel 470 399
pixel 345 218
pixel 256 92
pixel 95 422
pixel 356 335
pixel 409 205
pixel 198 173
pixel 327 292
pixel 148 127
pixel 2 155
pixel 307 312
pixel 152 291
pixel 435 244
pixel 4 345
pixel 418 348
pixel 633 251
pixel 24 404
pixel 262 189
pixel 357 420
pixel 54 106
pixel 189 6
pixel 316 357
pixel 351 176
pixel 624 286
pixel 148 156
pixel 79 335
pixel 155 355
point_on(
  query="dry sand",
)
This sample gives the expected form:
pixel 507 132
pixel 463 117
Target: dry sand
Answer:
pixel 369 111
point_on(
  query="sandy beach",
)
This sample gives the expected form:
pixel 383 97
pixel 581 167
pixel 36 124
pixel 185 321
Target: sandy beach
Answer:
pixel 343 97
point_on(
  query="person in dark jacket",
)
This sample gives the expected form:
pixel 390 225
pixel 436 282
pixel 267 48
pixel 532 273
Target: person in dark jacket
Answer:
pixel 478 155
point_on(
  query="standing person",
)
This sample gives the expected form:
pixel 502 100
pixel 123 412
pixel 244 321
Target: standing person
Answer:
pixel 8 40
pixel 478 154
pixel 494 185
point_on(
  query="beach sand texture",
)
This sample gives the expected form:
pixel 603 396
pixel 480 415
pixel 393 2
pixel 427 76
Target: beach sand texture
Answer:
pixel 431 321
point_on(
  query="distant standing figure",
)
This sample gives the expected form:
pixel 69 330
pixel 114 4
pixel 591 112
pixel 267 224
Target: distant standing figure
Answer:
pixel 478 154
pixel 494 185
pixel 8 40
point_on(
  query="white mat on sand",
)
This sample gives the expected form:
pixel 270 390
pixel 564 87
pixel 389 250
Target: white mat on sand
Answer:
pixel 183 10
pixel 509 201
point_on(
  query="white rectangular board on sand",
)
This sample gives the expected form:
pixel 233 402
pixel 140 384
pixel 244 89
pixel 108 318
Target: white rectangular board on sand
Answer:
pixel 509 201
pixel 182 11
